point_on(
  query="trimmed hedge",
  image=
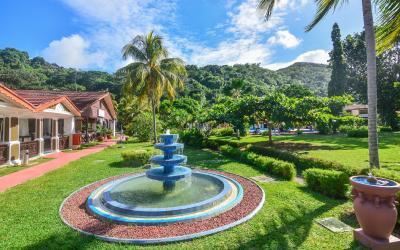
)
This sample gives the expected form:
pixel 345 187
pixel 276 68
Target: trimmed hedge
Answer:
pixel 228 131
pixel 303 162
pixel 193 137
pixel 329 182
pixel 279 168
pixel 136 158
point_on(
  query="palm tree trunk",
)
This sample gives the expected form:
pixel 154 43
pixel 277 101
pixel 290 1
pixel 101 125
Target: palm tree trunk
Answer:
pixel 153 109
pixel 372 88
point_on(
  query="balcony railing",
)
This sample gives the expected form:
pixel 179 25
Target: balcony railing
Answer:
pixel 32 146
pixel 3 154
pixel 63 142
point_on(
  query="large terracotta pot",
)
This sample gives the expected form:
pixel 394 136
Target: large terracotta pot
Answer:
pixel 374 206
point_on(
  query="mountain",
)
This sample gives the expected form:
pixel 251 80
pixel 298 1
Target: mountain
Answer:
pixel 18 70
pixel 314 76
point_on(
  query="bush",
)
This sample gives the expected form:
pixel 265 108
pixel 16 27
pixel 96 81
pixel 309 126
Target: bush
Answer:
pixel 304 162
pixel 228 131
pixel 279 168
pixel 329 182
pixel 193 137
pixel 136 158
pixel 221 142
pixel 385 129
pixel 358 132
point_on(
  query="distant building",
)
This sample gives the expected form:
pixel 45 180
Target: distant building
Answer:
pixel 43 121
pixel 360 110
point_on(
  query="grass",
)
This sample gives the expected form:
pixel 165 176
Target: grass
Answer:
pixel 11 169
pixel 29 212
pixel 339 148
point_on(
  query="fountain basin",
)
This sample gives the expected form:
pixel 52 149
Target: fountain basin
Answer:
pixel 139 200
pixel 174 160
pixel 169 147
pixel 169 173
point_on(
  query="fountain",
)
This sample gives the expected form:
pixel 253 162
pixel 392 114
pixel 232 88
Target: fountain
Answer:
pixel 375 209
pixel 168 202
pixel 170 171
pixel 165 194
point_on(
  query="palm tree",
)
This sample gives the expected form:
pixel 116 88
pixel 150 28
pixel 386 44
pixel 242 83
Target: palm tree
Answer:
pixel 388 35
pixel 152 74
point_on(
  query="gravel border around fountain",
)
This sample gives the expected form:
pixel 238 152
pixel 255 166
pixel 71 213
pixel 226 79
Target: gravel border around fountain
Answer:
pixel 73 213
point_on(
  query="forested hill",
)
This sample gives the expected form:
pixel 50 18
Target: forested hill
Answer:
pixel 315 76
pixel 18 70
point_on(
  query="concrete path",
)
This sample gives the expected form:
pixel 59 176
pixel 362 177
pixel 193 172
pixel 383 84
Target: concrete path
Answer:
pixel 61 159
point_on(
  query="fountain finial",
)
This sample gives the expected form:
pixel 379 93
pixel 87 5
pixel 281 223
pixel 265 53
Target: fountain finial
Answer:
pixel 371 178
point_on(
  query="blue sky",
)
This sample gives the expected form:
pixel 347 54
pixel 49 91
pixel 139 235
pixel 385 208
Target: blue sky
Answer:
pixel 89 34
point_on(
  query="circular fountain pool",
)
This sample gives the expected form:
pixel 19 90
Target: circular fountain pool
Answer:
pixel 166 203
pixel 139 200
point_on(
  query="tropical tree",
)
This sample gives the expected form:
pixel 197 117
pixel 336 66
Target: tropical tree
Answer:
pixel 152 74
pixel 389 33
pixel 336 86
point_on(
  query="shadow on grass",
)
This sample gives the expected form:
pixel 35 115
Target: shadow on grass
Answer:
pixel 70 240
pixel 310 142
pixel 292 225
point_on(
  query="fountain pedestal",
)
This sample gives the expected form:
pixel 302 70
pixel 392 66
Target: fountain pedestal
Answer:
pixel 374 205
pixel 170 170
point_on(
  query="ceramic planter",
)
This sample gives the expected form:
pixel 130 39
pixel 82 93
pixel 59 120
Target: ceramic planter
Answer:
pixel 374 205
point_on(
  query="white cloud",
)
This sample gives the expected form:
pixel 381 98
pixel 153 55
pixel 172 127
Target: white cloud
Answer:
pixel 110 24
pixel 73 51
pixel 247 20
pixel 232 52
pixel 313 56
pixel 284 38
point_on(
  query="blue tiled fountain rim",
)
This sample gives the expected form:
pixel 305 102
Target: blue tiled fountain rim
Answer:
pixel 142 211
pixel 167 239
pixel 189 217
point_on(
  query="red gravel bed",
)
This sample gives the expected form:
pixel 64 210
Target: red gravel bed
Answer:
pixel 74 213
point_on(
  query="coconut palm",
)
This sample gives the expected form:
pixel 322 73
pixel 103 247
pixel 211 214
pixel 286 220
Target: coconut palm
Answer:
pixel 389 33
pixel 152 74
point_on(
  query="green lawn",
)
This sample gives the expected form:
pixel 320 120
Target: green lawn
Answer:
pixel 29 212
pixel 340 148
pixel 12 169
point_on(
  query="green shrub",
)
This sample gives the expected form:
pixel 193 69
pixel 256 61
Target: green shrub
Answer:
pixel 304 162
pixel 228 131
pixel 221 142
pixel 329 182
pixel 385 129
pixel 279 168
pixel 136 158
pixel 193 137
pixel 354 131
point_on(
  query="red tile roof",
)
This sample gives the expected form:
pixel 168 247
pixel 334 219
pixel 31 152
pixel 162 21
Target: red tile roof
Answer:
pixel 80 99
pixel 37 100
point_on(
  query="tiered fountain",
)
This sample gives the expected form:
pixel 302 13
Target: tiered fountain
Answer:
pixel 165 194
pixel 170 171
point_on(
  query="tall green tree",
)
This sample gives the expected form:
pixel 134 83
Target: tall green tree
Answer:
pixel 336 86
pixel 388 15
pixel 152 74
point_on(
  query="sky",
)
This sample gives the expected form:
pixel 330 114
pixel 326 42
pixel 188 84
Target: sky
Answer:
pixel 89 34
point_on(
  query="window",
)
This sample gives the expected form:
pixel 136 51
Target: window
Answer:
pixel 47 127
pixel 60 127
pixel 2 129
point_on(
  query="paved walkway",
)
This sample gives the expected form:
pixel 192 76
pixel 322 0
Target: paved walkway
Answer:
pixel 61 159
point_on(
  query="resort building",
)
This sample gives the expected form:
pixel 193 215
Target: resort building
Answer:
pixel 360 110
pixel 39 122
